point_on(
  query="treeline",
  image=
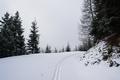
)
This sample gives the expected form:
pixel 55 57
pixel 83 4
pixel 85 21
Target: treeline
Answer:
pixel 12 41
pixel 67 48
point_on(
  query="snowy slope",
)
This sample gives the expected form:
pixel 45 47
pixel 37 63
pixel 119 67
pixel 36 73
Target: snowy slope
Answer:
pixel 54 66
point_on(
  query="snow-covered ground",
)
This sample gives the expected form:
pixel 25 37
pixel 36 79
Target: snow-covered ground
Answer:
pixel 55 66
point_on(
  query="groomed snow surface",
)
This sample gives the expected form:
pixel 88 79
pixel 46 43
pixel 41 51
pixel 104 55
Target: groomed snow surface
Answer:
pixel 55 66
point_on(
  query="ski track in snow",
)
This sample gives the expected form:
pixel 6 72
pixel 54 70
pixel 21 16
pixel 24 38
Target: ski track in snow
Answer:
pixel 58 67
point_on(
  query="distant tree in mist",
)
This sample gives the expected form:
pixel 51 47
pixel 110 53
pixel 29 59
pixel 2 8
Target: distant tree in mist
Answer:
pixel 63 50
pixel 55 50
pixel 76 48
pixel 86 45
pixel 48 49
pixel 85 26
pixel 68 49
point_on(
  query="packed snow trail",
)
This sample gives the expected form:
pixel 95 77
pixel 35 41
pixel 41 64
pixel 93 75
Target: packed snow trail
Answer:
pixel 58 67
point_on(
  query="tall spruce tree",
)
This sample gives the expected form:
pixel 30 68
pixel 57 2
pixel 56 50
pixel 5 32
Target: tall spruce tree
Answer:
pixel 55 50
pixel 18 35
pixel 5 40
pixel 33 42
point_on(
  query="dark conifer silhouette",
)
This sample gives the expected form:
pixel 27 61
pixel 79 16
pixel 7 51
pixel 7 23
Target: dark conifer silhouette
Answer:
pixel 18 35
pixel 48 49
pixel 5 40
pixel 33 41
pixel 68 49
pixel 12 39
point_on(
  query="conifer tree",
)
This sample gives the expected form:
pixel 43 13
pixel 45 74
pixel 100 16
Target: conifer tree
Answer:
pixel 107 19
pixel 12 40
pixel 33 41
pixel 18 35
pixel 5 40
pixel 48 49
pixel 55 50
pixel 63 50
pixel 68 49
pixel 99 27
pixel 85 27
pixel 86 19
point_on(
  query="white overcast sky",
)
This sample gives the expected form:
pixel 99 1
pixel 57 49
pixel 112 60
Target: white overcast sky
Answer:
pixel 57 19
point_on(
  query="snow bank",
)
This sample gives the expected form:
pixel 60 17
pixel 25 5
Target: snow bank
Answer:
pixel 95 55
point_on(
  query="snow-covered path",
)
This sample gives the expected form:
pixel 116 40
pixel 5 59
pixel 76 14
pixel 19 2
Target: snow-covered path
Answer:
pixel 54 66
pixel 58 70
pixel 35 67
